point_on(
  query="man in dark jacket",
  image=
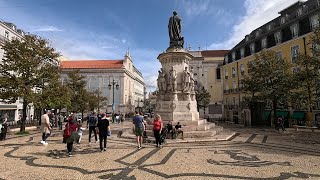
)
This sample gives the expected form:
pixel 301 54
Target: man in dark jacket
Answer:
pixel 104 127
pixel 92 124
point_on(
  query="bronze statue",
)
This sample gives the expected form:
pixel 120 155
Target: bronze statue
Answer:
pixel 174 26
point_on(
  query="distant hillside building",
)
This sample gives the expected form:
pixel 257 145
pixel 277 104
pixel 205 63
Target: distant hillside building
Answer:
pixel 101 73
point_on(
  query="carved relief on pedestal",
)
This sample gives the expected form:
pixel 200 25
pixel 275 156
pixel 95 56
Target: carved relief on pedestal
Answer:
pixel 158 106
pixel 189 106
pixel 173 106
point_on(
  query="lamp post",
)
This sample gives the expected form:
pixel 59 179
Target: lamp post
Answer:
pixel 113 83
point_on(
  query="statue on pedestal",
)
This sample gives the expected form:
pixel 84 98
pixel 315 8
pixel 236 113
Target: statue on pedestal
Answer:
pixel 185 80
pixel 162 81
pixel 172 80
pixel 174 27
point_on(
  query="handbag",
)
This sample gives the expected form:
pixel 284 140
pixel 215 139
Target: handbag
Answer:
pixel 108 133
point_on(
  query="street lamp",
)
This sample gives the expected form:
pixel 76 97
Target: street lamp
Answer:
pixel 113 83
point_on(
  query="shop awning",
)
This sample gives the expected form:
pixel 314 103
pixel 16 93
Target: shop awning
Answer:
pixel 7 106
pixel 266 114
pixel 298 115
pixel 282 113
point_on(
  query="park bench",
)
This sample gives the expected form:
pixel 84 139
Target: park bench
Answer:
pixel 304 127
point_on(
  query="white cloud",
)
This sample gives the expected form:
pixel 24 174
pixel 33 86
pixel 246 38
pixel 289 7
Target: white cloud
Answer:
pixel 46 29
pixel 257 14
pixel 196 8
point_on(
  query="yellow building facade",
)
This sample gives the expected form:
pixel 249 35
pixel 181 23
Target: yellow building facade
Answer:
pixel 288 35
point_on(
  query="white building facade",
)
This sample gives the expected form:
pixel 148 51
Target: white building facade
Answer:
pixel 99 74
pixel 9 31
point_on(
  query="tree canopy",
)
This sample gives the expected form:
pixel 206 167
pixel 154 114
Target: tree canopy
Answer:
pixel 25 66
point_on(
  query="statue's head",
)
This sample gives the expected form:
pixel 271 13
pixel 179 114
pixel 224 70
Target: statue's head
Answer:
pixel 175 13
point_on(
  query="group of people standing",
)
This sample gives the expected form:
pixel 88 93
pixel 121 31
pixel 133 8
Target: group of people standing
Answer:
pixel 73 130
pixel 159 131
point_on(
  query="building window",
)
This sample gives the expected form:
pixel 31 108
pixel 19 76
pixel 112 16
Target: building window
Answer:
pixel 257 33
pixel 235 101
pixel 296 69
pixel 6 34
pixel 277 37
pixel 314 20
pixel 294 30
pixel 227 101
pixel 315 49
pixel 294 53
pixel 234 86
pixel 233 72
pixel 242 69
pixel 299 12
pixel 269 27
pixel 218 74
pixel 252 48
pixel 226 74
pixel 283 20
pixel 226 59
pixel 279 54
pixel 264 43
pixel 251 65
pixel 233 56
pixel 242 52
pixel 247 38
pixel 227 87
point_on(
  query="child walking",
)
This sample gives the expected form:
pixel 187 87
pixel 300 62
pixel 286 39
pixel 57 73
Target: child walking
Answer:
pixel 80 132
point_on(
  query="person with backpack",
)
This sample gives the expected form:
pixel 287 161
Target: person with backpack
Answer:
pixel 92 124
pixel 70 134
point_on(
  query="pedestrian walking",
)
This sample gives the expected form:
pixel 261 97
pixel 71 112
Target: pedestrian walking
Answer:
pixel 45 127
pixel 60 121
pixel 138 128
pixel 157 128
pixel 92 124
pixel 71 134
pixel 80 132
pixel 4 126
pixel 104 131
pixel 281 122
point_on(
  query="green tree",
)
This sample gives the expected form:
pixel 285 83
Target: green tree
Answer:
pixel 79 95
pixel 203 98
pixel 24 65
pixel 272 77
pixel 306 80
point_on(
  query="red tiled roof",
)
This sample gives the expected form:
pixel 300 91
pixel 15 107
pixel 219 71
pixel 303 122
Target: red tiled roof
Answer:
pixel 92 64
pixel 214 53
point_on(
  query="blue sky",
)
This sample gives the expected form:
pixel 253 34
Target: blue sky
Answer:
pixel 99 29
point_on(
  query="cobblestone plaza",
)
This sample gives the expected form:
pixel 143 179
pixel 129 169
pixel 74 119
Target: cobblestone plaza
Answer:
pixel 248 154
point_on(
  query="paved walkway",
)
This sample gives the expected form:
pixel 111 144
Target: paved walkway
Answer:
pixel 247 154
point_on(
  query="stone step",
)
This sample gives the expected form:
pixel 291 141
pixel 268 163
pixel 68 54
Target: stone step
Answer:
pixel 194 134
pixel 187 128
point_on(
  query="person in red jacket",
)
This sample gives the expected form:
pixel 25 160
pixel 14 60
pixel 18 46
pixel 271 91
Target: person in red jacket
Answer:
pixel 157 128
pixel 72 126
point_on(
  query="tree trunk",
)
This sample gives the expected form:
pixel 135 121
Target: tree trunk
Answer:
pixel 274 106
pixel 24 116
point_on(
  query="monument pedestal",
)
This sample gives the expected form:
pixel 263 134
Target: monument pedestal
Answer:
pixel 176 101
